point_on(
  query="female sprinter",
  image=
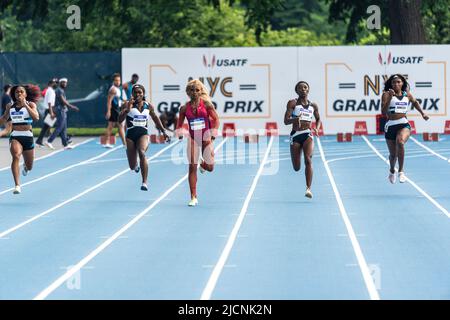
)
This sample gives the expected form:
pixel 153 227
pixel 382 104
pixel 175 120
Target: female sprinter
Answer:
pixel 21 113
pixel 203 123
pixel 396 100
pixel 299 113
pixel 137 113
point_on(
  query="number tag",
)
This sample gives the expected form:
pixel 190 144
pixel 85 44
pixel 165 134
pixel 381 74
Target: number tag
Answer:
pixel 197 124
pixel 17 117
pixel 401 107
pixel 306 115
pixel 140 121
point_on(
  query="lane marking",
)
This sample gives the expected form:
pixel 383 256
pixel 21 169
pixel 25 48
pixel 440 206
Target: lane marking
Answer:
pixel 212 281
pixel 426 195
pixel 46 212
pixel 52 153
pixel 363 266
pixel 63 169
pixel 430 150
pixel 76 268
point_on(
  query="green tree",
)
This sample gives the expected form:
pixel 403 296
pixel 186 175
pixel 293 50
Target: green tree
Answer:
pixel 404 18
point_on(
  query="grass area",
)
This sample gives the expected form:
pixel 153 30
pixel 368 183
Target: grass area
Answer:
pixel 80 132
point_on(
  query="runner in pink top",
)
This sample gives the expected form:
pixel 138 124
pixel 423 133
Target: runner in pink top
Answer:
pixel 203 122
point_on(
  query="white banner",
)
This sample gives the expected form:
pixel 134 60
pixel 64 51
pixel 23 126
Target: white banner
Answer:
pixel 251 86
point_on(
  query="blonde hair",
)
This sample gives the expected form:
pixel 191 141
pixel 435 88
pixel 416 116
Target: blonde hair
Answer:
pixel 204 94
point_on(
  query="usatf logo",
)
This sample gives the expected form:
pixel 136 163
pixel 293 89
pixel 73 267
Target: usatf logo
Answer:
pixel 224 62
pixel 380 59
pixel 399 60
pixel 209 65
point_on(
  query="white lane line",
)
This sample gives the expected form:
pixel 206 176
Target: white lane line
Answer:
pixel 64 169
pixel 218 160
pixel 212 281
pixel 77 267
pixel 363 266
pixel 348 158
pixel 40 215
pixel 52 153
pixel 426 195
pixel 430 150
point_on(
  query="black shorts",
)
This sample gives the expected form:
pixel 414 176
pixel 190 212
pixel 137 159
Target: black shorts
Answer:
pixel 114 115
pixel 136 133
pixel 27 143
pixel 391 133
pixel 301 138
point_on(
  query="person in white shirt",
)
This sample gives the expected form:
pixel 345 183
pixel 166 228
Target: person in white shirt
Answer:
pixel 49 116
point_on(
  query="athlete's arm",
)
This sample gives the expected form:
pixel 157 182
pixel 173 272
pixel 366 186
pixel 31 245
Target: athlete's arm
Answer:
pixel 5 117
pixel 32 110
pixel 317 116
pixel 123 113
pixel 385 100
pixel 416 105
pixel 111 95
pixel 156 119
pixel 212 114
pixel 180 122
pixel 287 115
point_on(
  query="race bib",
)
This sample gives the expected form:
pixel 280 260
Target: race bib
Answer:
pixel 197 124
pixel 401 107
pixel 17 117
pixel 306 115
pixel 140 121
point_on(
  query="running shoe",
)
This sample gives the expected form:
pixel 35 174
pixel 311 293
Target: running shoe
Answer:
pixel 144 187
pixel 193 202
pixel 137 169
pixel 391 177
pixel 69 147
pixel 24 171
pixel 401 177
pixel 39 145
pixel 308 193
pixel 108 146
pixel 49 145
pixel 17 190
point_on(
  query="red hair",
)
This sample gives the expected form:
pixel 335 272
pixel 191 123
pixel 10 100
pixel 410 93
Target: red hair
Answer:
pixel 33 92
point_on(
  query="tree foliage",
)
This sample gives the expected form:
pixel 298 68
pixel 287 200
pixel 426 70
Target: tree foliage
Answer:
pixel 40 25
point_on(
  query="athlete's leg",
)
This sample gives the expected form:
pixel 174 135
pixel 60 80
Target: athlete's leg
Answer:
pixel 193 155
pixel 308 148
pixel 208 156
pixel 296 155
pixel 131 154
pixel 402 138
pixel 142 146
pixel 16 152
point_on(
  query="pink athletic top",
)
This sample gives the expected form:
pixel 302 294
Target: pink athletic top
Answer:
pixel 198 122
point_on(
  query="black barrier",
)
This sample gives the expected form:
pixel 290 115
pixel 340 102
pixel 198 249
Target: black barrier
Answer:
pixel 89 75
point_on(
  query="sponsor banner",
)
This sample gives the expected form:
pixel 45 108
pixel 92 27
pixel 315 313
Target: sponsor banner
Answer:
pixel 251 86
